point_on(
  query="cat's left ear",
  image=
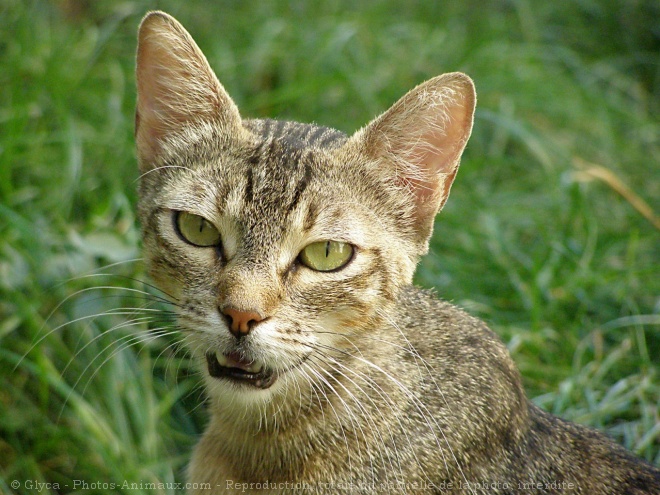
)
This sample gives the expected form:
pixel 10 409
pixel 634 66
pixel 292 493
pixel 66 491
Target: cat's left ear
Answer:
pixel 419 142
pixel 177 91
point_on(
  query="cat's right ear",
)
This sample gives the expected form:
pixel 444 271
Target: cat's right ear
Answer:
pixel 177 91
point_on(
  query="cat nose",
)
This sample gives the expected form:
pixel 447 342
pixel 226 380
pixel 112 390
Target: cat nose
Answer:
pixel 241 322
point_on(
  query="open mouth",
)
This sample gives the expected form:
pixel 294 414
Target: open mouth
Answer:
pixel 233 367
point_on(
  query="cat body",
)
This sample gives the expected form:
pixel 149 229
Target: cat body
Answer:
pixel 288 251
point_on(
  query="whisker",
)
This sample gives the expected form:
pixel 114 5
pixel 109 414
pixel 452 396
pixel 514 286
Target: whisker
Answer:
pixel 329 402
pixel 431 374
pixel 155 169
pixel 115 312
pixel 383 394
pixel 368 417
pixel 88 366
pixel 104 334
pixel 419 405
pixel 169 299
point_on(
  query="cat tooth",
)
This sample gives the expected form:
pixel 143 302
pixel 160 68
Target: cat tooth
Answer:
pixel 222 359
pixel 254 368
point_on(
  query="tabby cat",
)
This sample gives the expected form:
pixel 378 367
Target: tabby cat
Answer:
pixel 288 250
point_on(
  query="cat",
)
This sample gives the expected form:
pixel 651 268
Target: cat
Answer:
pixel 288 251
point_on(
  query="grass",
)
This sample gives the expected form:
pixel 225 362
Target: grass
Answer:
pixel 558 257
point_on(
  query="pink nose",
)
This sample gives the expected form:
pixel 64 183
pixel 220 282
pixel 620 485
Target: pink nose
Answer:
pixel 241 321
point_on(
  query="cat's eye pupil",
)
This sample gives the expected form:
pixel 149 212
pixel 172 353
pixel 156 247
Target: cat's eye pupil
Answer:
pixel 326 256
pixel 196 230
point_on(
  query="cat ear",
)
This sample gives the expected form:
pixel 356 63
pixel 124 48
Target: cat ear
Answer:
pixel 420 139
pixel 177 90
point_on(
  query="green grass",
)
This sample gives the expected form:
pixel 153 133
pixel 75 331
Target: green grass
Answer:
pixel 561 265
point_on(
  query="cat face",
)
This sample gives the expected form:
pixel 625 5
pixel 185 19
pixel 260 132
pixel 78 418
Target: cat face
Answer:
pixel 281 244
pixel 287 235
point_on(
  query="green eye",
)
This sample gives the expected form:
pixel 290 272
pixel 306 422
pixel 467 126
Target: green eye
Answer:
pixel 196 230
pixel 325 256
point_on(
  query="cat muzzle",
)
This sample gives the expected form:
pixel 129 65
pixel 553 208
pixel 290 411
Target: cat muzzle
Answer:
pixel 235 368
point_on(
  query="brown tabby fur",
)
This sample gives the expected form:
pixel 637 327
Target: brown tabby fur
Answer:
pixel 380 386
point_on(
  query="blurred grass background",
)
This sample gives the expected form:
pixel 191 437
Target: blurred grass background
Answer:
pixel 551 233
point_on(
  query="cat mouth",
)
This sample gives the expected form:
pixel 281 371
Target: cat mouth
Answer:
pixel 235 368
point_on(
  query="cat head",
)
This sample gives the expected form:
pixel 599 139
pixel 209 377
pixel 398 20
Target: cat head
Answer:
pixel 280 242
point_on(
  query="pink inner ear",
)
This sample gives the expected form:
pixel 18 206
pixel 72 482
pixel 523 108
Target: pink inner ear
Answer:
pixel 434 159
pixel 147 128
pixel 176 87
pixel 155 119
pixel 164 85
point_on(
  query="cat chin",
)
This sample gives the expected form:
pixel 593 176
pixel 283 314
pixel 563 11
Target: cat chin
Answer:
pixel 237 402
pixel 230 394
